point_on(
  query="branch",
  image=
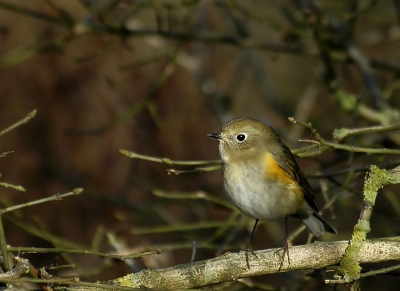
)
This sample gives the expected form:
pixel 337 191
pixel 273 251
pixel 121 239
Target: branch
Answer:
pixel 350 269
pixel 342 133
pixel 232 266
pixel 167 161
pixel 24 120
pixel 327 144
pixel 55 197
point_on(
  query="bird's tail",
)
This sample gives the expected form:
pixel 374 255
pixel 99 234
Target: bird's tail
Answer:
pixel 316 224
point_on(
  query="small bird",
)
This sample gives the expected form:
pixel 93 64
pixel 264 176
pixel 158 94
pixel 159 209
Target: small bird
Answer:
pixel 263 179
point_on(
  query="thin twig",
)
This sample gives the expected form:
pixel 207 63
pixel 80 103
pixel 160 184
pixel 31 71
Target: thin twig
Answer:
pixel 15 187
pixel 340 134
pixel 32 250
pixel 24 120
pixel 339 146
pixel 4 247
pixel 380 271
pixel 195 170
pixel 167 161
pixel 43 200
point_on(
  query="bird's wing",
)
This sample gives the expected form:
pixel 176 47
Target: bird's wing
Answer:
pixel 292 169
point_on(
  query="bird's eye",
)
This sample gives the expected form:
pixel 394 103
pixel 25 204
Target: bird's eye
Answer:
pixel 241 137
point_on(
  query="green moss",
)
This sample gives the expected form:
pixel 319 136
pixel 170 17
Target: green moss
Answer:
pixel 126 281
pixel 376 179
pixel 340 134
pixel 349 267
pixel 347 101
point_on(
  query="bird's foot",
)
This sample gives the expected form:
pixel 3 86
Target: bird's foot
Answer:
pixel 285 251
pixel 247 251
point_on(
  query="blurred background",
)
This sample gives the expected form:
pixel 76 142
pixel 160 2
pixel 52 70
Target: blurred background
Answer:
pixel 154 77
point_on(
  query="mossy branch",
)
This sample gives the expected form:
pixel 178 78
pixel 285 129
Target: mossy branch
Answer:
pixel 232 266
pixel 376 179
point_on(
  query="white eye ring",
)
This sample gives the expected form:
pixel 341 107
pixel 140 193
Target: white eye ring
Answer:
pixel 241 137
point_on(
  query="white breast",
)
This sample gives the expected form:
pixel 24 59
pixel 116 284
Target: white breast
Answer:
pixel 256 197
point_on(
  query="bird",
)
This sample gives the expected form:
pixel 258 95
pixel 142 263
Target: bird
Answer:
pixel 263 180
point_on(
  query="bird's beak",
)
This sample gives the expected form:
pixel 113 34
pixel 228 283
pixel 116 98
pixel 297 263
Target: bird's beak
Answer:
pixel 214 135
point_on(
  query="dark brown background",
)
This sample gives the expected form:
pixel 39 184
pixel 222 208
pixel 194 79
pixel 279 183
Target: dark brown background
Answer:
pixel 97 77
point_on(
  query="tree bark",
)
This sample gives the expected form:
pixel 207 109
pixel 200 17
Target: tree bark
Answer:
pixel 232 266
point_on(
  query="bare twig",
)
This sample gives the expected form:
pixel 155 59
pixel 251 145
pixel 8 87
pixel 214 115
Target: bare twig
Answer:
pixel 32 250
pixel 339 146
pixel 167 161
pixel 43 200
pixel 341 134
pixel 4 247
pixel 24 120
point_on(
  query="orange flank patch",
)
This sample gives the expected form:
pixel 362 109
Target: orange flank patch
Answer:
pixel 273 170
pixel 274 173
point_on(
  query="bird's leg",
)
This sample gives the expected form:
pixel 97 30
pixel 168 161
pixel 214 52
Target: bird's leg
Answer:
pixel 248 248
pixel 285 248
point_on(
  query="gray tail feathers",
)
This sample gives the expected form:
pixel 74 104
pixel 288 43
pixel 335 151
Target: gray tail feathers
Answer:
pixel 316 224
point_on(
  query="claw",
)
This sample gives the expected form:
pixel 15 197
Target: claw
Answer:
pixel 285 250
pixel 247 251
